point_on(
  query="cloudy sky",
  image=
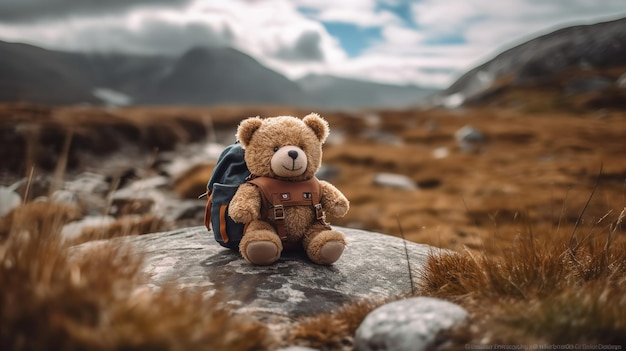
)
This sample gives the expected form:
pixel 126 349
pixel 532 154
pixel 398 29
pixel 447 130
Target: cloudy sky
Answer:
pixel 425 42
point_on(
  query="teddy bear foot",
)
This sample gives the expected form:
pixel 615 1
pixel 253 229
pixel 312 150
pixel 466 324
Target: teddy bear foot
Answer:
pixel 330 252
pixel 262 253
pixel 324 247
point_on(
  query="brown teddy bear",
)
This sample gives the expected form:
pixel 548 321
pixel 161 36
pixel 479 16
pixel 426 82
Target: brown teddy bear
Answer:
pixel 283 153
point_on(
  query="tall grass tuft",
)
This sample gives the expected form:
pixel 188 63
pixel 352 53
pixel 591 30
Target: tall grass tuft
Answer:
pixel 558 289
pixel 52 298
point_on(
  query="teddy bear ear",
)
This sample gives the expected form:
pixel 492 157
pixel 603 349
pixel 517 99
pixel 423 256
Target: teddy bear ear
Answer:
pixel 246 129
pixel 318 125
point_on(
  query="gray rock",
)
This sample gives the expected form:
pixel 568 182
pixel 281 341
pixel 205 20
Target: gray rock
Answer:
pixel 88 182
pixel 621 81
pixel 587 84
pixel 73 230
pixel 395 181
pixel 469 138
pixel 64 197
pixel 407 325
pixel 373 266
pixel 9 200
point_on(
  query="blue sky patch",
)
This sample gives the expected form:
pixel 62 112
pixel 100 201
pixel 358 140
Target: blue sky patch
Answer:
pixel 353 39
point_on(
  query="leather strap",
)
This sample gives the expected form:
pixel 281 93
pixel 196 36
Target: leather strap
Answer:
pixel 278 194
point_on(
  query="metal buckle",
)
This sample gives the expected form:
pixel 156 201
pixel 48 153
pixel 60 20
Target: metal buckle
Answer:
pixel 320 214
pixel 279 212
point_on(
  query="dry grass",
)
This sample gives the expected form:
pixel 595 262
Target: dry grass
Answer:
pixel 334 330
pixel 129 225
pixel 568 289
pixel 99 300
pixel 193 182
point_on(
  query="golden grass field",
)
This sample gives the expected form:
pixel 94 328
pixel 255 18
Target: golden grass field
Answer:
pixel 535 213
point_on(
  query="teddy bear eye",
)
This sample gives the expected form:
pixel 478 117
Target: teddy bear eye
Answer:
pixel 275 148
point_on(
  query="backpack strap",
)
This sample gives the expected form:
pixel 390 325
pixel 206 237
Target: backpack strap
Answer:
pixel 278 194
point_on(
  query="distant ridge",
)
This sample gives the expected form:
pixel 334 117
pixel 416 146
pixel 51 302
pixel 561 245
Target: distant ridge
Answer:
pixel 339 93
pixel 543 60
pixel 200 76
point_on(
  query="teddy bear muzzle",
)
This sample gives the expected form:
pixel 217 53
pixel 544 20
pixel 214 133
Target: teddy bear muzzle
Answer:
pixel 289 161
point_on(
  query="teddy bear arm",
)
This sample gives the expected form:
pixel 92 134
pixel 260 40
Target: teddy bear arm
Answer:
pixel 245 206
pixel 334 201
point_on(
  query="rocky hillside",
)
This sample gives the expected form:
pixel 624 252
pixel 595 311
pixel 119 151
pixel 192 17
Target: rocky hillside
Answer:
pixel 200 76
pixel 580 66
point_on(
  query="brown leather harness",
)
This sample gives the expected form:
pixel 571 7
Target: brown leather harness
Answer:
pixel 277 194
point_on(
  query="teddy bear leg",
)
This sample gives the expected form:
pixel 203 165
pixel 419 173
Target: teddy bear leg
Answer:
pixel 260 244
pixel 324 245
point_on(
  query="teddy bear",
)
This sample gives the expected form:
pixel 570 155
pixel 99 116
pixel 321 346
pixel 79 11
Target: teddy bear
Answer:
pixel 287 151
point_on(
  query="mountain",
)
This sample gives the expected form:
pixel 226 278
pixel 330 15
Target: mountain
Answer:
pixel 200 76
pixel 33 74
pixel 562 64
pixel 221 75
pixel 340 93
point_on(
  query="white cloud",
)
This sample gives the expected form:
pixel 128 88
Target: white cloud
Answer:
pixel 290 37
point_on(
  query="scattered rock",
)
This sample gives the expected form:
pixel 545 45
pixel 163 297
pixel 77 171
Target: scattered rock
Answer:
pixel 88 182
pixel 9 200
pixel 621 81
pixel 32 188
pixel 65 197
pixel 328 172
pixel 407 325
pixel 395 181
pixel 382 137
pixel 373 266
pixel 441 152
pixel 185 209
pixel 73 230
pixel 455 100
pixel 149 183
pixel 469 139
pixel 587 84
pixel 121 206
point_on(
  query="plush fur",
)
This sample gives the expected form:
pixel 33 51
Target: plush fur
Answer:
pixel 286 148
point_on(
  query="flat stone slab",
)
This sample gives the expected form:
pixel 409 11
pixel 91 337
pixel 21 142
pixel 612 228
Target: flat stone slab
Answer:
pixel 374 265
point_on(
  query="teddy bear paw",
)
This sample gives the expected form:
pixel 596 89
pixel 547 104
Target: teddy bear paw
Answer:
pixel 262 253
pixel 242 216
pixel 339 211
pixel 330 252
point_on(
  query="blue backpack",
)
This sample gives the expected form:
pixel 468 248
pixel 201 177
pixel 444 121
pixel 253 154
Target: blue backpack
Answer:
pixel 230 172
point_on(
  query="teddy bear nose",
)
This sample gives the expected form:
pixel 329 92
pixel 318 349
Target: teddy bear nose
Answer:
pixel 293 154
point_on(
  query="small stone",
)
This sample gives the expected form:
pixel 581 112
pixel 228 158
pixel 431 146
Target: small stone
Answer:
pixel 88 182
pixel 64 197
pixel 9 200
pixel 74 229
pixel 621 81
pixel 395 181
pixel 469 138
pixel 441 152
pixel 407 325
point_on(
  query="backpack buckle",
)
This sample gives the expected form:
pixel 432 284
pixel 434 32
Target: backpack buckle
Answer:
pixel 279 212
pixel 320 214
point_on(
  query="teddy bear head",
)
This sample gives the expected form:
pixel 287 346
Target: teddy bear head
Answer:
pixel 283 147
